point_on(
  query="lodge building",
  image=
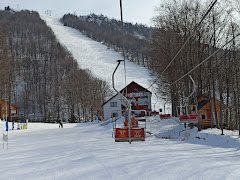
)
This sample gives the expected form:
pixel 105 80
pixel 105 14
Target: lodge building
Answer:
pixel 139 97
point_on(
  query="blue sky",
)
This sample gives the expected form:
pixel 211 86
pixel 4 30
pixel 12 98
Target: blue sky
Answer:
pixel 140 11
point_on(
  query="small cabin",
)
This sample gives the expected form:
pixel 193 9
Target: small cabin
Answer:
pixel 4 109
pixel 205 105
pixel 139 97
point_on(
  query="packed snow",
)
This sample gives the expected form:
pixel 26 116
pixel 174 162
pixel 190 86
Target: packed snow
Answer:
pixel 101 61
pixel 88 151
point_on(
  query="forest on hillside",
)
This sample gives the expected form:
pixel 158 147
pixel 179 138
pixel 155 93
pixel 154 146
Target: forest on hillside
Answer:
pixel 134 37
pixel 40 76
pixel 214 40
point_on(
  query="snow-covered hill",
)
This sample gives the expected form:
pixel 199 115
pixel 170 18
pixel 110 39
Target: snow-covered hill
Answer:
pixel 87 151
pixel 101 60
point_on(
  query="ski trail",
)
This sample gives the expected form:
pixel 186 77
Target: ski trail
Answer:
pixel 101 61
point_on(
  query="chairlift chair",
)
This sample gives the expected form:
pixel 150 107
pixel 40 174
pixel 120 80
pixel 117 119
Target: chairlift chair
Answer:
pixel 137 128
pixel 130 132
pixel 188 112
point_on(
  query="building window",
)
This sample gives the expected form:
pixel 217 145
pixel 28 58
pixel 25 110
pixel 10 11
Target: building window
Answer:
pixel 113 104
pixel 203 116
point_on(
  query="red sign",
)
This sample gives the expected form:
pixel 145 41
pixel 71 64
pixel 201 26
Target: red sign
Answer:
pixel 121 133
pixel 188 118
pixel 165 116
pixel 134 123
pixel 136 133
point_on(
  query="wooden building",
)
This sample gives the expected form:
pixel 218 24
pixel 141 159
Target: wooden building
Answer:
pixel 4 110
pixel 205 106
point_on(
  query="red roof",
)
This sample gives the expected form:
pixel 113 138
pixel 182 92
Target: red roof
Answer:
pixel 134 87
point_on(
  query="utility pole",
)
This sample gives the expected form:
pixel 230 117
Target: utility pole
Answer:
pixel 123 51
pixel 119 61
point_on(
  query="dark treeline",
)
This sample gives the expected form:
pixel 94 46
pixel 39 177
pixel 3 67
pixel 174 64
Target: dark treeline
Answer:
pixel 219 77
pixel 40 76
pixel 109 31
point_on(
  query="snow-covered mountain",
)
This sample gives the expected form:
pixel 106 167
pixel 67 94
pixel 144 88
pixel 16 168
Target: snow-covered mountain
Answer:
pixel 101 60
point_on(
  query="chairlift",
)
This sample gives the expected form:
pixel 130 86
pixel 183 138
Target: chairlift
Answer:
pixel 131 130
pixel 137 128
pixel 188 112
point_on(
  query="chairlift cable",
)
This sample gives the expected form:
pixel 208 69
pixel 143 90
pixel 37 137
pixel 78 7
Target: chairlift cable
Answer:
pixel 188 39
pixel 219 49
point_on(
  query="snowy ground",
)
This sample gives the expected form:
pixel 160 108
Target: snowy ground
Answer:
pixel 87 151
pixel 101 60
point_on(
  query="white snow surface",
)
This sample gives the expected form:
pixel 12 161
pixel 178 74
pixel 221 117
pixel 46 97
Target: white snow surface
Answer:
pixel 101 61
pixel 88 151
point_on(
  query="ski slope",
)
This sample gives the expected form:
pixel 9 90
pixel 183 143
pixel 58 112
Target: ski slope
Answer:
pixel 101 61
pixel 87 151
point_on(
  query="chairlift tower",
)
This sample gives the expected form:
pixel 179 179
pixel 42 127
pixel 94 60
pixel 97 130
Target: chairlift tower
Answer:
pixel 119 62
pixel 128 102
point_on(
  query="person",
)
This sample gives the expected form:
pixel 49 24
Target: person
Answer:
pixel 6 125
pixel 60 124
